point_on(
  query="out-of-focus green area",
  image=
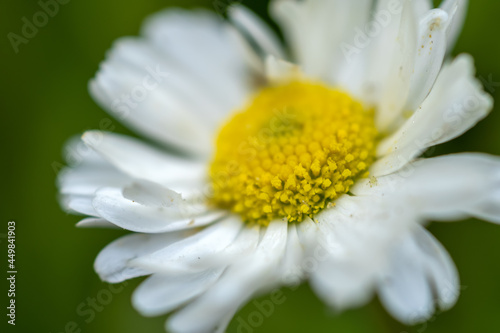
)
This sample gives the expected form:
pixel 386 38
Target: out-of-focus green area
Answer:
pixel 44 101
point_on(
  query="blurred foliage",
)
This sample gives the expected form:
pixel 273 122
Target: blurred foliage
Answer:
pixel 44 101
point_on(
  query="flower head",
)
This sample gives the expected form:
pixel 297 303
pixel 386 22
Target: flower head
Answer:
pixel 274 165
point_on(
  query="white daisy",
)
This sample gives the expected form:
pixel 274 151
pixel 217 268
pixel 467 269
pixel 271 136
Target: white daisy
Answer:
pixel 289 164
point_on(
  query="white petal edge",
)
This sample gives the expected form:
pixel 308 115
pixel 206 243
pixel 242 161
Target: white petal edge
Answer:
pixel 443 188
pixel 456 103
pixel 235 287
pixel 314 29
pixel 160 294
pixel 357 236
pixel 421 273
pixel 396 85
pixel 112 263
pixel 92 222
pixel 430 55
pixel 278 70
pixel 143 161
pixel 111 205
pixel 187 254
pixel 251 25
pixel 459 10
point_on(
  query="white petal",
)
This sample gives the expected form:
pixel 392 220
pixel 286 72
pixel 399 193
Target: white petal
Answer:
pixel 405 291
pixel 185 255
pixel 350 66
pixel 314 29
pixel 80 183
pixel 248 53
pixel 458 9
pixel 278 70
pixel 291 16
pixel 86 178
pixel 397 82
pixel 199 43
pixel 163 293
pixel 292 273
pixel 76 152
pixel 441 270
pixel 112 263
pixel 488 208
pixel 421 7
pixel 142 161
pixel 445 188
pixel 307 232
pixel 161 74
pixel 382 46
pixel 456 186
pixel 151 194
pixel 339 279
pixel 455 104
pixel 244 244
pixel 81 204
pixel 421 272
pixel 430 55
pixel 89 172
pixel 235 287
pixel 91 222
pixel 114 207
pixel 135 96
pixel 343 24
pixel 178 83
pixel 251 26
pixel 357 235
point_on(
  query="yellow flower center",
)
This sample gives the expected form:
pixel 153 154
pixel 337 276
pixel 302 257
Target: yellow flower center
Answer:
pixel 291 152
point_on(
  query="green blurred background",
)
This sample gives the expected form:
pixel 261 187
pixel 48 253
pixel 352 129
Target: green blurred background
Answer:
pixel 44 101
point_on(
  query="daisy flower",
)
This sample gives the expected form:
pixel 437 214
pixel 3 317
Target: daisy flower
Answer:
pixel 270 165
